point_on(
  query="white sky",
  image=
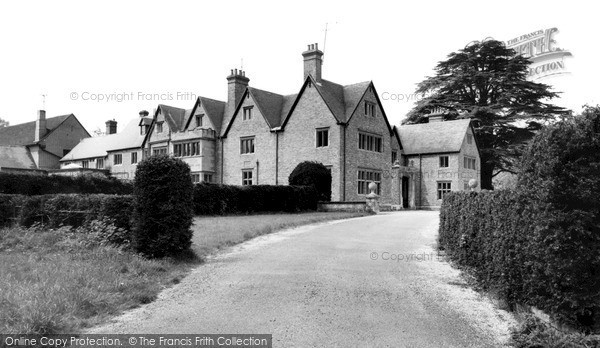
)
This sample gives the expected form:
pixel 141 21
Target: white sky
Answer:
pixel 115 47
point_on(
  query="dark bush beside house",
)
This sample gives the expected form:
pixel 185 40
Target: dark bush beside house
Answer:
pixel 36 184
pixel 538 244
pixel 163 214
pixel 212 199
pixel 313 174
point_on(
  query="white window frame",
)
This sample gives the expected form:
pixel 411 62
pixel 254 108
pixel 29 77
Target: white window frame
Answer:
pixel 120 157
pixel 444 161
pixel 443 188
pixel 322 141
pixel 247 177
pixel 365 177
pixel 247 145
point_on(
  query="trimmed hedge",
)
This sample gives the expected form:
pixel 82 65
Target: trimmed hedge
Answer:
pixel 37 184
pixel 163 213
pixel 65 209
pixel 538 244
pixel 213 199
pixel 310 173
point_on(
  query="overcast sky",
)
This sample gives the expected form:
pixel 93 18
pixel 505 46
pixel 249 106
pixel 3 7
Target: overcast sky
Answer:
pixel 75 50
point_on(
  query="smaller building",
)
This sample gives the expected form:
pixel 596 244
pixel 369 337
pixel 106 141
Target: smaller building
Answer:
pixel 115 153
pixel 37 146
pixel 442 156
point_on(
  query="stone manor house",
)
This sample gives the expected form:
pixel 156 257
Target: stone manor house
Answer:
pixel 258 137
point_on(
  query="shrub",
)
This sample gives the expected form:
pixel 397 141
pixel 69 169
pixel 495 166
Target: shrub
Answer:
pixel 212 199
pixel 538 244
pixel 163 211
pixel 37 184
pixel 313 174
pixel 71 210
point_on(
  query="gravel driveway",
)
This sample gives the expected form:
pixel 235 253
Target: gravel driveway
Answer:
pixel 366 282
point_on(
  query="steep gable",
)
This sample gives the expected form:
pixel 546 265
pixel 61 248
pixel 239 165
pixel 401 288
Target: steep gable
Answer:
pixel 270 105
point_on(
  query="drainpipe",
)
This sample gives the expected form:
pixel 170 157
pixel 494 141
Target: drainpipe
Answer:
pixel 256 172
pixel 276 158
pixel 420 181
pixel 343 169
pixel 222 151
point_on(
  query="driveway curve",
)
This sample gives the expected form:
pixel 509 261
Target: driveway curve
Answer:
pixel 374 281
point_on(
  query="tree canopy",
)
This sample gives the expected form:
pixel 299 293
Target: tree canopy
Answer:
pixel 488 82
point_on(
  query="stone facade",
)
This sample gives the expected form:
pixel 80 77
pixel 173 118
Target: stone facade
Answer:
pixel 258 137
pixel 433 172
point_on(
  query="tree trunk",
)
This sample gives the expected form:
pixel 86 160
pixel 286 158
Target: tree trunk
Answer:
pixel 487 171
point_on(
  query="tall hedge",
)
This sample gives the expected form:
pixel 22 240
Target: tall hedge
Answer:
pixel 310 173
pixel 538 244
pixel 163 212
pixel 212 199
pixel 65 209
pixel 38 184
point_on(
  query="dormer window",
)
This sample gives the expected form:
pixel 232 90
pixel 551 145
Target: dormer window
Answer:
pixel 247 113
pixel 199 120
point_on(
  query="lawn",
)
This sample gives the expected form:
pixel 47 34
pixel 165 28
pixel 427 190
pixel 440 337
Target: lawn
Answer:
pixel 216 232
pixel 58 281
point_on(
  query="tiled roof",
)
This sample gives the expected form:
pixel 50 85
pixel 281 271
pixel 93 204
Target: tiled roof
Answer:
pixel 270 105
pixel 352 95
pixel 341 100
pixel 175 117
pixel 16 157
pixel 128 138
pixel 435 137
pixel 24 133
pixel 214 110
pixel 334 97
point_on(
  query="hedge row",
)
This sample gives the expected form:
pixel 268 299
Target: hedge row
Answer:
pixel 65 209
pixel 538 244
pixel 37 184
pixel 212 199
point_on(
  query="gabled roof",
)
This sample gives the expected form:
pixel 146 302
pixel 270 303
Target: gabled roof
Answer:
pixel 341 100
pixel 276 108
pixel 128 138
pixel 435 137
pixel 175 117
pixel 16 157
pixel 24 133
pixel 214 109
pixel 270 105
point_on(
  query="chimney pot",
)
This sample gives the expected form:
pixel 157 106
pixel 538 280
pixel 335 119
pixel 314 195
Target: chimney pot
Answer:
pixel 111 127
pixel 316 46
pixel 313 62
pixel 231 71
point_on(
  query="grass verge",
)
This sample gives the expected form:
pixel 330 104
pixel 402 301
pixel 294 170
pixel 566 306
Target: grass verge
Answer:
pixel 212 233
pixel 62 281
pixel 534 333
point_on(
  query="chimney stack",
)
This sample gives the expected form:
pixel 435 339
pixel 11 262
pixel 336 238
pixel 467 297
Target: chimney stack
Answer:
pixel 143 113
pixel 40 125
pixel 111 127
pixel 236 85
pixel 436 115
pixel 313 62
